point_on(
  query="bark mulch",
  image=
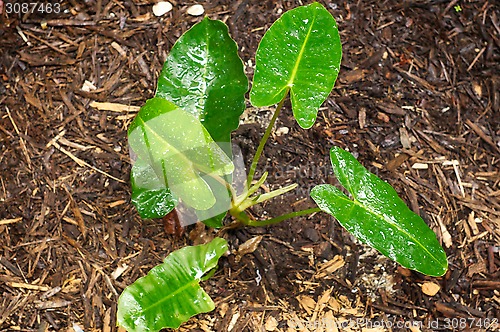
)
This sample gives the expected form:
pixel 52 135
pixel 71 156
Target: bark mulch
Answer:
pixel 417 101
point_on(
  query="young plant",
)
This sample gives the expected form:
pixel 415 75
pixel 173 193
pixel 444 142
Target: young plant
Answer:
pixel 180 141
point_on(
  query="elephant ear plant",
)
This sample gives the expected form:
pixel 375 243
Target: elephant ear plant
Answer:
pixel 180 143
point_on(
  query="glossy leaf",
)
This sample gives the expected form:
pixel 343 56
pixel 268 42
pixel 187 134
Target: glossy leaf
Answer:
pixel 300 53
pixel 179 151
pixel 214 216
pixel 170 293
pixel 149 194
pixel 204 75
pixel 378 217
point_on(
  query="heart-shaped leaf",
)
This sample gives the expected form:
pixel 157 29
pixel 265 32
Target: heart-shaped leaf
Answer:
pixel 179 150
pixel 378 217
pixel 170 293
pixel 203 75
pixel 300 53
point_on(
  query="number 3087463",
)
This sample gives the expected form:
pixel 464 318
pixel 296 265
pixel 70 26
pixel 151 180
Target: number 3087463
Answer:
pixel 19 7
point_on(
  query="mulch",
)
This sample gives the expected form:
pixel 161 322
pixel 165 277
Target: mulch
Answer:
pixel 417 101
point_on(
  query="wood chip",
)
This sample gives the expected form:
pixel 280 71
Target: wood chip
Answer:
pixel 383 117
pixel 88 86
pixel 119 271
pixel 117 203
pixel 234 320
pixel 77 328
pixel 404 137
pixel 119 49
pixel 10 221
pixel 362 118
pixel 396 162
pixel 430 288
pixel 282 131
pixel 472 223
pixel 307 303
pixel 114 107
pixel 271 324
pixel 420 166
pixel 391 108
pixel 349 77
pixel 476 268
pixel 330 267
pixel 444 232
pixel 27 286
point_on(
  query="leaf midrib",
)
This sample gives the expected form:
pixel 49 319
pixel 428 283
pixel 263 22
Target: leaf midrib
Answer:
pixel 301 54
pixel 377 215
pixel 295 69
pixel 159 138
pixel 390 222
pixel 174 293
pixel 195 166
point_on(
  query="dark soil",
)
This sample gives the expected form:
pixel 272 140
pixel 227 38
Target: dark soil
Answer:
pixel 417 101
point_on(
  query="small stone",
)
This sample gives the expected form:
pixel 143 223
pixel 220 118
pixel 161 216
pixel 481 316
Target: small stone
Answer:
pixel 161 8
pixel 282 131
pixel 88 86
pixel 196 10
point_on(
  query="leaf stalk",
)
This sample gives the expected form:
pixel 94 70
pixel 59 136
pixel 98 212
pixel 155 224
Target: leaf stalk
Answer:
pixel 262 143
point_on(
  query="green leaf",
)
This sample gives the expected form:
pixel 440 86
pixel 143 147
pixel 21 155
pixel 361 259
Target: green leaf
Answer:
pixel 214 216
pixel 378 217
pixel 179 151
pixel 170 293
pixel 204 75
pixel 215 221
pixel 149 194
pixel 300 53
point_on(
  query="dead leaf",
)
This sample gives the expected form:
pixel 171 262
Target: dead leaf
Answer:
pixel 248 247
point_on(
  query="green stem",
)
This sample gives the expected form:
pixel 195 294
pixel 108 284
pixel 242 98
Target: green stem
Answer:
pixel 249 191
pixel 241 216
pixel 251 201
pixel 272 221
pixel 262 143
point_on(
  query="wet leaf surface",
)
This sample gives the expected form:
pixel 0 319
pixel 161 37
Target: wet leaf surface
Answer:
pixel 178 149
pixel 299 53
pixel 378 217
pixel 203 75
pixel 170 293
pixel 387 40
